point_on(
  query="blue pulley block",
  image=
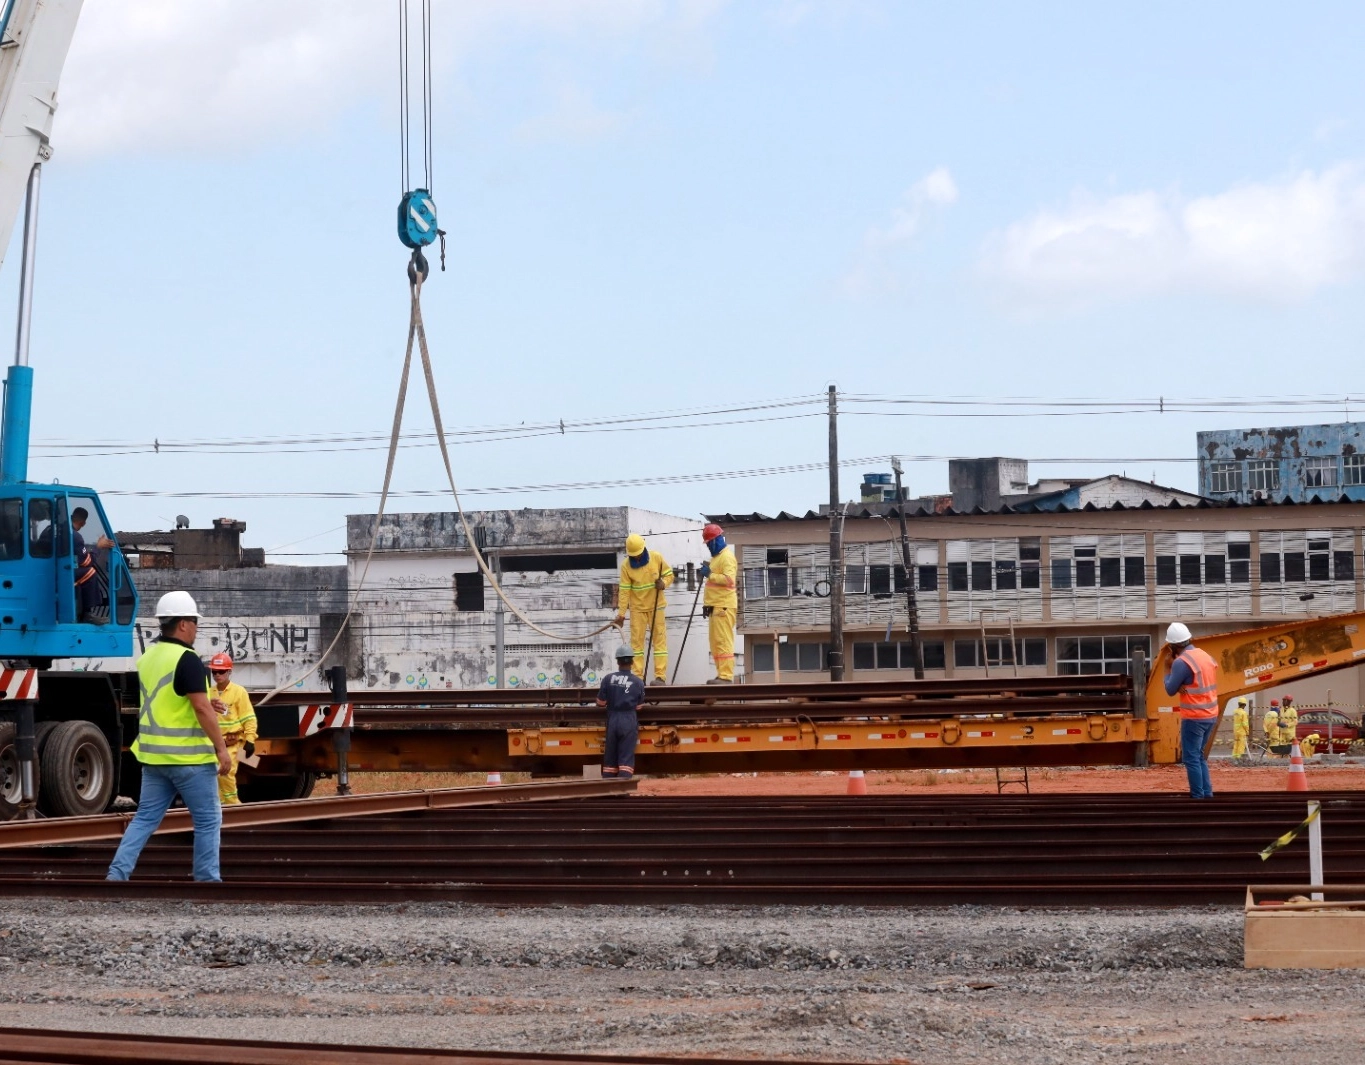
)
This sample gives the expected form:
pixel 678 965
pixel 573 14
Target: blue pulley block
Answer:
pixel 417 219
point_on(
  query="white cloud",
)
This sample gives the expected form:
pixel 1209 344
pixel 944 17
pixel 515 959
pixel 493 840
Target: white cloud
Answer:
pixel 1278 241
pixel 177 75
pixel 874 269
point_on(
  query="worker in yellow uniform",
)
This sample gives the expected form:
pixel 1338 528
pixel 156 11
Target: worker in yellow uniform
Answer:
pixel 721 603
pixel 1241 729
pixel 1309 745
pixel 1271 724
pixel 644 576
pixel 1289 721
pixel 237 722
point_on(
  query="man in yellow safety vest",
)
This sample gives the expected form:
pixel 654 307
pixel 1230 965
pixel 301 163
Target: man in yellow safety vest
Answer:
pixel 721 602
pixel 178 743
pixel 238 723
pixel 644 576
pixel 1241 728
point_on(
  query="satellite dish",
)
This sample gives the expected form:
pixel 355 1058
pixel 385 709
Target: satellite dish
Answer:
pixel 182 522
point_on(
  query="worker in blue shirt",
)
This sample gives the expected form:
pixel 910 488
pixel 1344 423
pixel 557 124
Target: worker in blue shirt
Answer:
pixel 621 694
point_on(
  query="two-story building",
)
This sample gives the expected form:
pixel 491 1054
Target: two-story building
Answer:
pixel 1039 587
pixel 1296 462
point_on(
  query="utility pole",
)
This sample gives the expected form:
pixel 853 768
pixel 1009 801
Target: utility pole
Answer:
pixel 916 655
pixel 836 547
pixel 499 655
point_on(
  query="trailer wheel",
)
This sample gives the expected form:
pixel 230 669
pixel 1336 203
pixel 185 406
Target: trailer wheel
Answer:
pixel 11 783
pixel 77 770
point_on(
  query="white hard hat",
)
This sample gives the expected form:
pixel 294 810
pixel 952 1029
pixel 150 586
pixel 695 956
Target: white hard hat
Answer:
pixel 177 605
pixel 1178 633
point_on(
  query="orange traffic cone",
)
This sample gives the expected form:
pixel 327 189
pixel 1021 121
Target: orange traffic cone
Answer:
pixel 1298 779
pixel 494 778
pixel 857 783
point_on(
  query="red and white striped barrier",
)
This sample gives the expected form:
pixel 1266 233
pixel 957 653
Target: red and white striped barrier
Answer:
pixel 313 719
pixel 18 684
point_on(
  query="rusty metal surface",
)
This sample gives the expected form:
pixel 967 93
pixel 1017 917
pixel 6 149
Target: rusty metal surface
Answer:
pixel 24 1045
pixel 60 830
pixel 1134 849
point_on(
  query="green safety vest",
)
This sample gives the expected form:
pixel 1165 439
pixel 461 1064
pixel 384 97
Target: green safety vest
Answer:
pixel 168 732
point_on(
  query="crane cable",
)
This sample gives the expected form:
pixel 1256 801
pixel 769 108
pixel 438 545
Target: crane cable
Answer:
pixel 418 270
pixel 417 273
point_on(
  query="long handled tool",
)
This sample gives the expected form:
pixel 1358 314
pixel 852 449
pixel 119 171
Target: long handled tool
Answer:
pixel 695 599
pixel 649 636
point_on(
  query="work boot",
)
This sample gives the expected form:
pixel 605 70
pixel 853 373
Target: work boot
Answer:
pixel 660 680
pixel 719 680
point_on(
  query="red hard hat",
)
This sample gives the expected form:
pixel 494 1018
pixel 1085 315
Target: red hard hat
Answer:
pixel 1274 702
pixel 711 531
pixel 220 661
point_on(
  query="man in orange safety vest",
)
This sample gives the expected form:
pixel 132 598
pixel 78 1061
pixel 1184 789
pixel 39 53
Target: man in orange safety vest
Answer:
pixel 1194 675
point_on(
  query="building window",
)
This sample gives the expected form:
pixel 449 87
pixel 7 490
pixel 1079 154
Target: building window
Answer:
pixel 1353 469
pixel 997 651
pixel 1061 573
pixel 928 578
pixel 1189 569
pixel 1263 475
pixel 981 576
pixel 957 576
pixel 1320 472
pixel 1134 571
pixel 1344 563
pixel 1225 477
pixel 867 655
pixel 855 580
pixel 1085 567
pixel 879 580
pixel 1111 572
pixel 1030 561
pixel 755 583
pixel 1006 575
pixel 1270 567
pixel 1165 570
pixel 1239 562
pixel 1319 560
pixel 1098 654
pixel 1215 569
pixel 792 657
pixel 469 591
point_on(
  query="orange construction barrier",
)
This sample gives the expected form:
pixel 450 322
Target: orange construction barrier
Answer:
pixel 857 783
pixel 494 778
pixel 1298 779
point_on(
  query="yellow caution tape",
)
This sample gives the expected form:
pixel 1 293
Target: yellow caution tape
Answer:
pixel 1288 837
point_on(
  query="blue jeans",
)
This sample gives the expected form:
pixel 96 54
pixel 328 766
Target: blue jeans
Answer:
pixel 198 786
pixel 1194 734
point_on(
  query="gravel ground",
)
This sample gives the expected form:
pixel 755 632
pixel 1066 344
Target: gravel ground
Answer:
pixel 967 984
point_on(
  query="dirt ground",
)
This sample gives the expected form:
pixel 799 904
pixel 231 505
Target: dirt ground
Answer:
pixel 1270 776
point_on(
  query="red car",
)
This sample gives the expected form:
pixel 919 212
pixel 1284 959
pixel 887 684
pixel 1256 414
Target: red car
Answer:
pixel 1345 730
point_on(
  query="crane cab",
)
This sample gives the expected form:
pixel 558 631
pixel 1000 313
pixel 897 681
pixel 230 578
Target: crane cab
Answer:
pixel 62 594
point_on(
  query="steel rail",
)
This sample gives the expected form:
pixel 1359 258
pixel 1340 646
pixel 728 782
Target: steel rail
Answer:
pixel 1063 849
pixel 719 695
pixel 50 831
pixel 25 1045
pixel 376 717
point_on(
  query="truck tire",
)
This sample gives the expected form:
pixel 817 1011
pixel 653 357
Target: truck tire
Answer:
pixel 77 770
pixel 11 783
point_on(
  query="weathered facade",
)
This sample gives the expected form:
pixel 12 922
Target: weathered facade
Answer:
pixel 1081 589
pixel 429 615
pixel 275 621
pixel 1296 463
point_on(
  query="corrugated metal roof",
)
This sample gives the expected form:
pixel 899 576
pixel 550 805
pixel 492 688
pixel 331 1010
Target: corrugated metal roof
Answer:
pixel 1026 508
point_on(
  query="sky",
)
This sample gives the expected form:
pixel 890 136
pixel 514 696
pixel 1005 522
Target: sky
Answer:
pixel 1056 231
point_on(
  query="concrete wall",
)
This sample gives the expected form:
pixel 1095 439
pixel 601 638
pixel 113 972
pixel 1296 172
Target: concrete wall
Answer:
pixel 413 636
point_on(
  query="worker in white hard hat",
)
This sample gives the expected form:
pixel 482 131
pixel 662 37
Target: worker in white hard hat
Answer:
pixel 178 742
pixel 621 694
pixel 1194 676
pixel 644 576
pixel 1241 728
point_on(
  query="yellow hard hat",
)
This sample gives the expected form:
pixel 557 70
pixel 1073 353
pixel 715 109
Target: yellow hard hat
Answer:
pixel 635 544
